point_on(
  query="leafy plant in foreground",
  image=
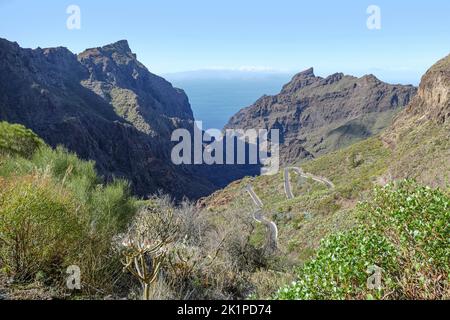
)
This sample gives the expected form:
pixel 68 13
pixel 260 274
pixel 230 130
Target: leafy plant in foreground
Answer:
pixel 404 230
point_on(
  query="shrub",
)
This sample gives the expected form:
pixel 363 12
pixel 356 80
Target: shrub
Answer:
pixel 17 140
pixel 66 167
pixel 404 230
pixel 55 212
pixel 40 227
pixel 112 207
pixel 109 208
pixel 416 220
pixel 198 261
pixel 339 269
pixel 44 229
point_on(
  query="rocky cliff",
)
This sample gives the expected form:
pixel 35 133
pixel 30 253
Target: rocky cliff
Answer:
pixel 146 100
pixel 430 105
pixel 433 99
pixel 106 106
pixel 317 115
pixel 419 138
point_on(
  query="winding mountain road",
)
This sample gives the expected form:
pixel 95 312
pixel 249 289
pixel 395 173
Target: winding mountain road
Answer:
pixel 301 173
pixel 287 184
pixel 272 241
pixel 256 200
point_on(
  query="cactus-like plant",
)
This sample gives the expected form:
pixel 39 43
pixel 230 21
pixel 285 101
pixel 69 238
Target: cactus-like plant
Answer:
pixel 143 261
pixel 145 246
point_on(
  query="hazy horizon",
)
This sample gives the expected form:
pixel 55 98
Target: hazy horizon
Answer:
pixel 226 55
pixel 216 96
pixel 288 35
pixel 228 91
pixel 223 73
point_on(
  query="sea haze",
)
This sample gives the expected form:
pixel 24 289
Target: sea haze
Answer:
pixel 216 95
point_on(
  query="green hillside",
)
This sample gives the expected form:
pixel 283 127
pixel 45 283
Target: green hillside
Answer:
pixel 380 205
pixel 318 213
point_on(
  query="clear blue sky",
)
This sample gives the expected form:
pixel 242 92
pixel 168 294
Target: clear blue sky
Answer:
pixel 178 35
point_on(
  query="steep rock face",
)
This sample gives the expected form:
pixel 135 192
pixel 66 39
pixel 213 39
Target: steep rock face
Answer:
pixel 431 104
pixel 317 115
pixel 146 100
pixel 105 106
pixel 419 138
pixel 433 99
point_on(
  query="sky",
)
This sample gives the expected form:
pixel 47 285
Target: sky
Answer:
pixel 252 35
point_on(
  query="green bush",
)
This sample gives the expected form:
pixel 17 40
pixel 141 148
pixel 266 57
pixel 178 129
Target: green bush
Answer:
pixel 55 211
pixel 112 206
pixel 41 227
pixel 339 270
pixel 17 140
pixel 416 218
pixel 404 231
pixel 66 166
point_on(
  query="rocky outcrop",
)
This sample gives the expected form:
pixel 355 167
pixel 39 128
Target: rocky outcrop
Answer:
pixel 419 138
pixel 142 98
pixel 105 106
pixel 317 115
pixel 431 106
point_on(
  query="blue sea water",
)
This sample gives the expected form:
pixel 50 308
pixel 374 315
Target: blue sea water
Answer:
pixel 215 100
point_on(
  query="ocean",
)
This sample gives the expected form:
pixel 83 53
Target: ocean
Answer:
pixel 215 100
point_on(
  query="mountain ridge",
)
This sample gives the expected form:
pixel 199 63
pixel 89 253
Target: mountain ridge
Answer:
pixel 104 105
pixel 317 115
pixel 416 146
